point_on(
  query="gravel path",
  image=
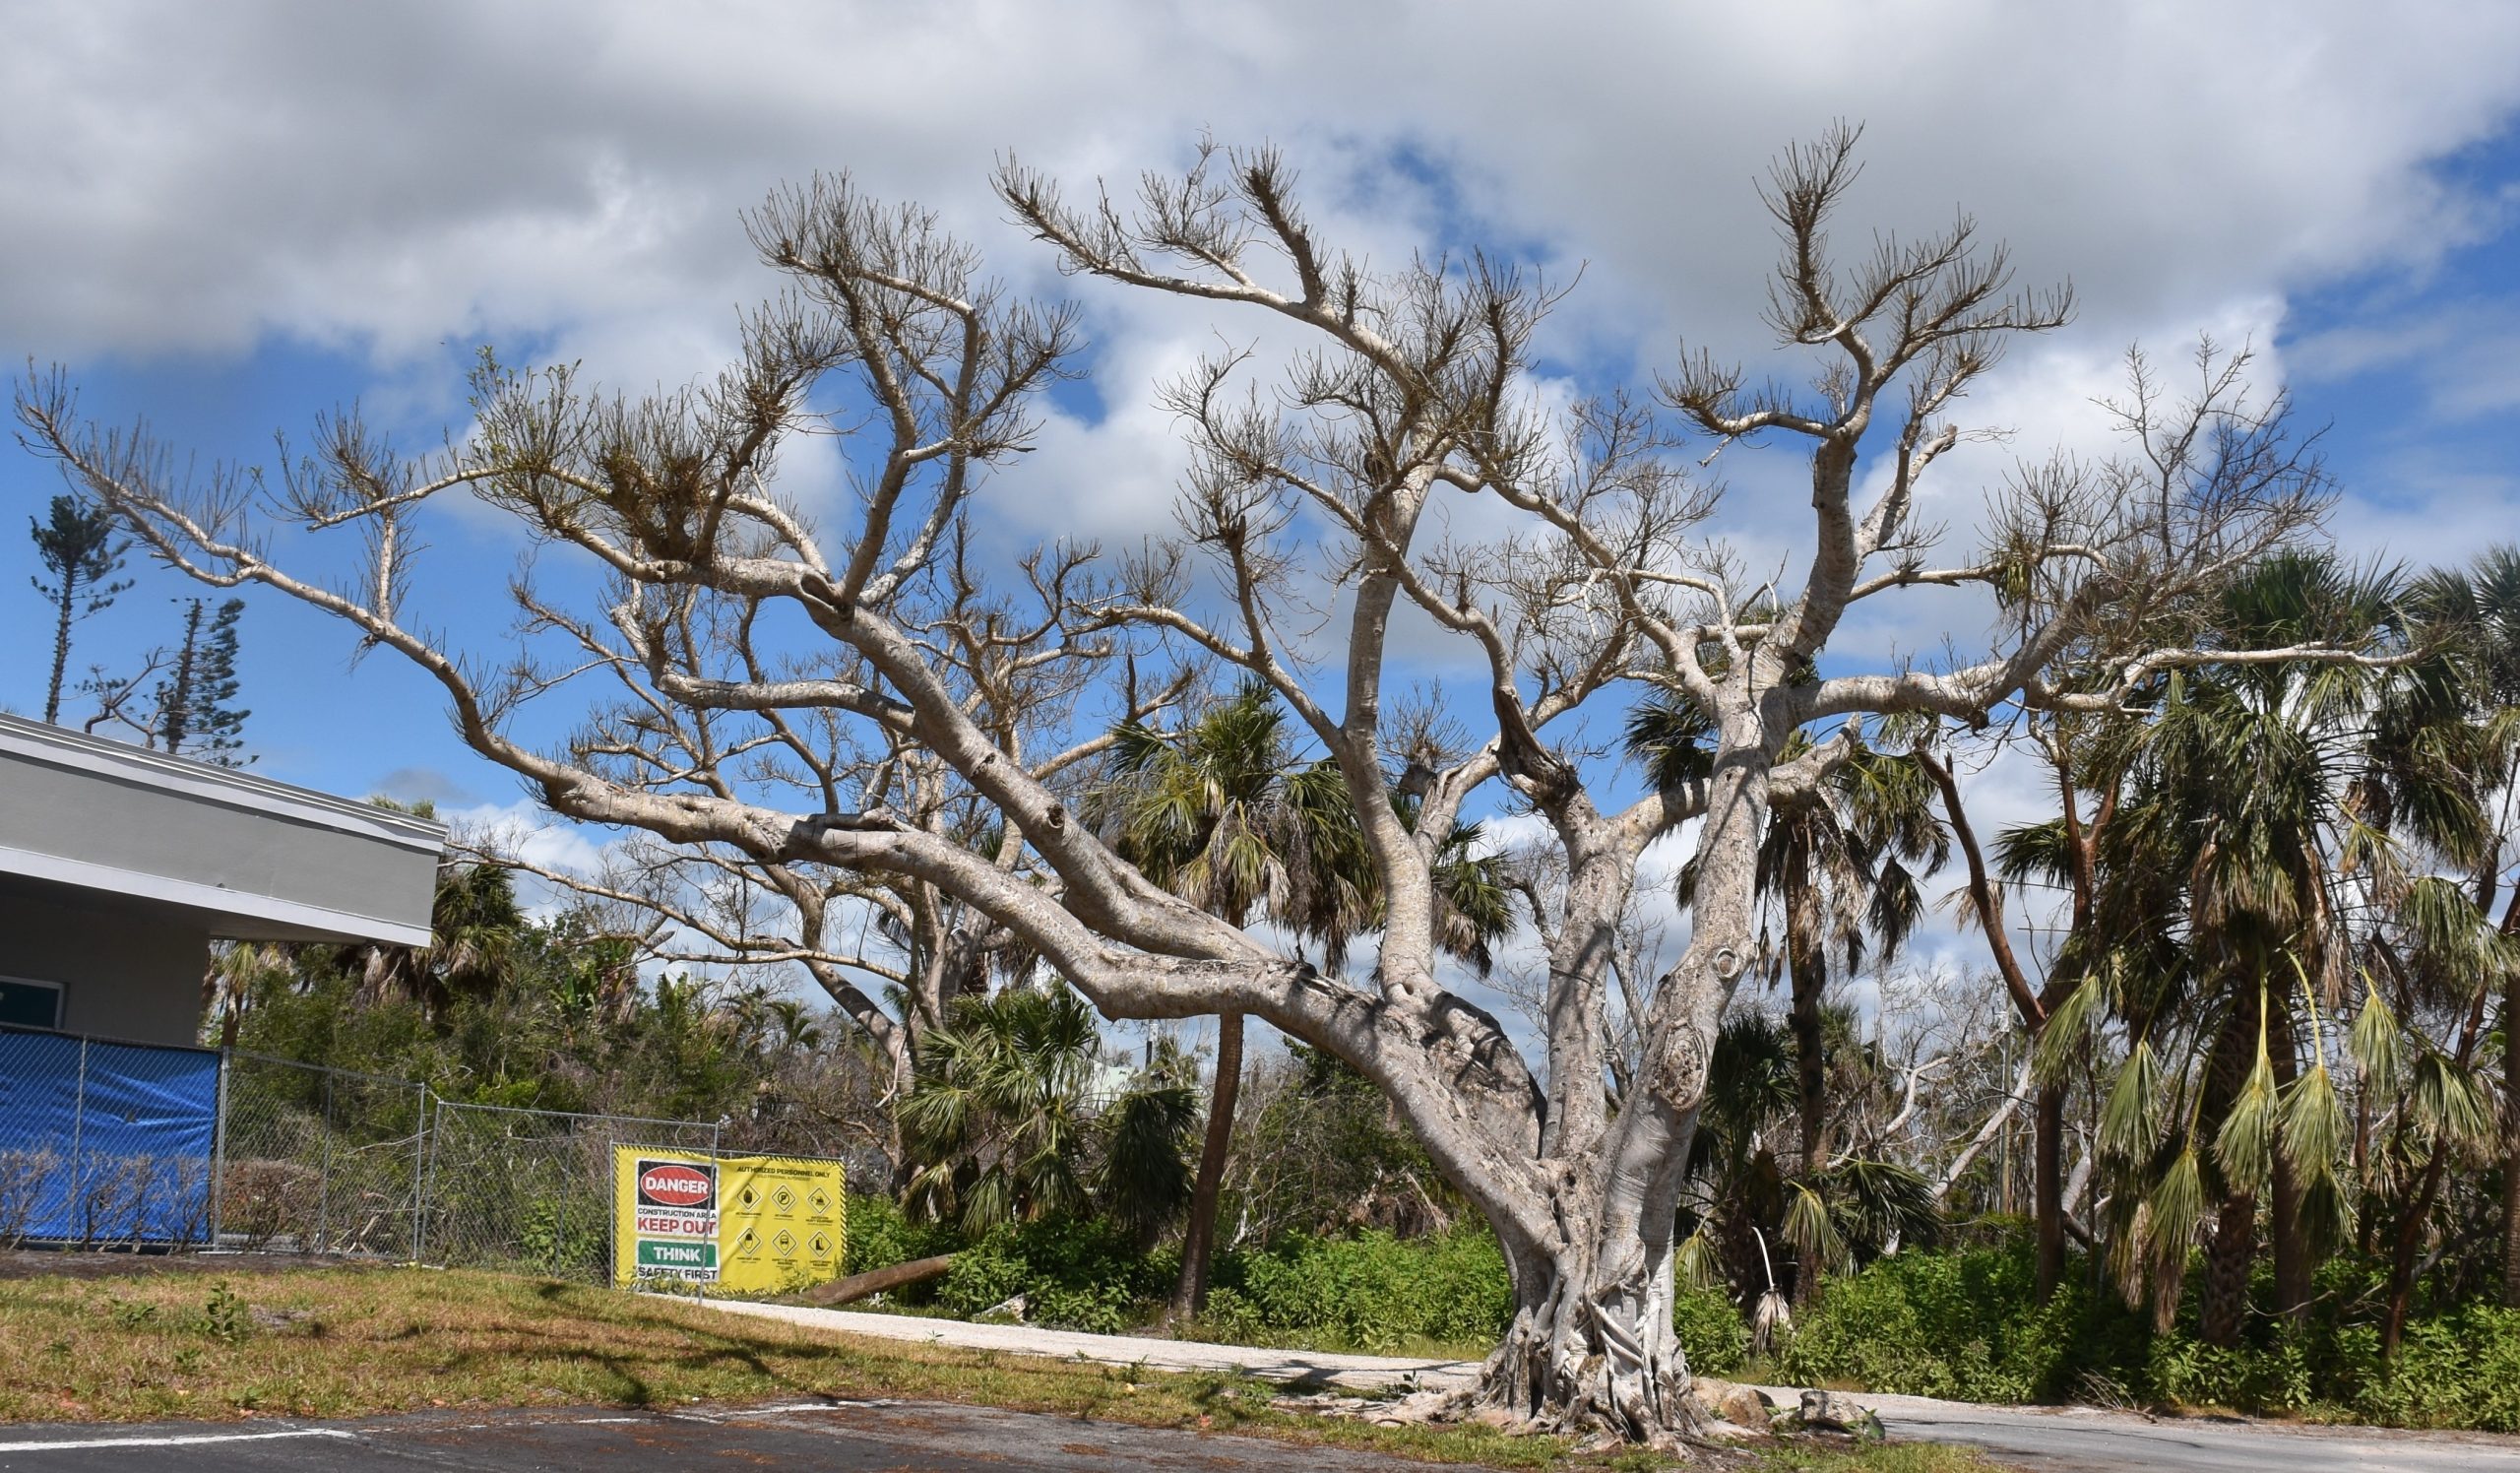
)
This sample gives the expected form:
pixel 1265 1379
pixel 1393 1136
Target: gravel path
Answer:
pixel 1302 1367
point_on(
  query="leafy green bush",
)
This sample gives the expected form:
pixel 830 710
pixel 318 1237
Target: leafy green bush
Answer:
pixel 1961 1324
pixel 1372 1292
pixel 1711 1331
pixel 1075 1274
pixel 2460 1369
pixel 1967 1325
pixel 880 1235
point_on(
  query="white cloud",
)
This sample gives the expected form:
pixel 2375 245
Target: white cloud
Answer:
pixel 209 174
pixel 525 830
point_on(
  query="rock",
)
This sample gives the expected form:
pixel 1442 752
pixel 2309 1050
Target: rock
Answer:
pixel 1827 1411
pixel 1747 1406
pixel 1012 1306
pixel 1741 1405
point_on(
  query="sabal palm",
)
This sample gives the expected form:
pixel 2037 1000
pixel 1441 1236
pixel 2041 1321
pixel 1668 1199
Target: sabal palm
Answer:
pixel 999 1116
pixel 1842 867
pixel 2481 604
pixel 475 923
pixel 2268 807
pixel 1847 1213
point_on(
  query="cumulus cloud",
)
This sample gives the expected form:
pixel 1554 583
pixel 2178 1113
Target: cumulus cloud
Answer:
pixel 526 830
pixel 394 176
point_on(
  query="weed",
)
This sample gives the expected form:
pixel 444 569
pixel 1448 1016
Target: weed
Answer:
pixel 225 1316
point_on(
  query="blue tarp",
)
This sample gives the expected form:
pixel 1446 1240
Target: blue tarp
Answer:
pixel 114 1140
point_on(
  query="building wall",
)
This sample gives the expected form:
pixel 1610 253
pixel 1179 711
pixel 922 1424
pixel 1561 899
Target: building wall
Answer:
pixel 233 848
pixel 126 970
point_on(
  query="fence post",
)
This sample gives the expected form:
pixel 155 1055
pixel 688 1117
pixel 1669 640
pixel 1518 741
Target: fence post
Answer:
pixel 428 1169
pixel 78 1203
pixel 718 1174
pixel 218 1148
pixel 324 1167
pixel 611 1176
pixel 419 1167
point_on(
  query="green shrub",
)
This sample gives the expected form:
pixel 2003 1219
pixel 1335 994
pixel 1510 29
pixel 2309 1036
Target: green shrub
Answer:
pixel 1711 1331
pixel 1074 1273
pixel 880 1235
pixel 1967 1325
pixel 1373 1292
pixel 2459 1368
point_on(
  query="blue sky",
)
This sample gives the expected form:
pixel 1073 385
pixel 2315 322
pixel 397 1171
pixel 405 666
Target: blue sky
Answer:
pixel 235 219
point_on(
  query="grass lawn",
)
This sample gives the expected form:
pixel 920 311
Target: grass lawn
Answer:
pixel 353 1342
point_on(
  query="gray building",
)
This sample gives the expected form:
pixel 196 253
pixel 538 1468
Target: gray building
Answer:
pixel 119 867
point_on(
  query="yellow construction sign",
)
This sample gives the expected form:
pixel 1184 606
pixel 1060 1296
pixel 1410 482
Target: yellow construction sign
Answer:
pixel 749 1224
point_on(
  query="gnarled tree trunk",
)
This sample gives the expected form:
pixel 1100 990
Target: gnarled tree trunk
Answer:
pixel 1591 1348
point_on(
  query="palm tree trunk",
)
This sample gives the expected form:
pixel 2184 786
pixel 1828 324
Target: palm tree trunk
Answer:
pixel 2225 1311
pixel 2047 1186
pixel 1190 1296
pixel 2511 1118
pixel 1809 973
pixel 2234 1251
pixel 1810 978
pixel 2511 1133
pixel 2292 1251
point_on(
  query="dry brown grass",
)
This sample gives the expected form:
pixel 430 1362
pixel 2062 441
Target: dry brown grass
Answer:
pixel 348 1343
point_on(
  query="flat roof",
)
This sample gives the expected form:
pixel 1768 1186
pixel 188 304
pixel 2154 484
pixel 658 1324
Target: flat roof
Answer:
pixel 266 859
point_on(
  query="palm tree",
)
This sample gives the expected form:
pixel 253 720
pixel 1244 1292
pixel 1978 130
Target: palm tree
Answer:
pixel 1003 1119
pixel 1843 865
pixel 1846 1212
pixel 2483 603
pixel 1227 814
pixel 2272 815
pixel 474 924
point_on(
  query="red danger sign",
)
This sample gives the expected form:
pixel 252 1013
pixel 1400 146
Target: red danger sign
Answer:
pixel 676 1183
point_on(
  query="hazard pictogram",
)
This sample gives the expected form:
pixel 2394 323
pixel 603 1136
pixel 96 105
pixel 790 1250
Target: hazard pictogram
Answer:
pixel 784 1245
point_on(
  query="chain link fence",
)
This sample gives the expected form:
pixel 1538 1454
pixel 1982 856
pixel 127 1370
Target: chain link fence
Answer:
pixel 102 1144
pixel 114 1145
pixel 531 1189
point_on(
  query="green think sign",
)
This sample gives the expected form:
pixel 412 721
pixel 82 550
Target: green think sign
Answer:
pixel 656 1254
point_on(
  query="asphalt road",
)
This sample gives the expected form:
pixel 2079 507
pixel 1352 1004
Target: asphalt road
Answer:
pixel 2082 1440
pixel 863 1437
pixel 813 1437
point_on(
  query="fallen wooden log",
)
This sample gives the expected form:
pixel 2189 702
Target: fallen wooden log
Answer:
pixel 858 1286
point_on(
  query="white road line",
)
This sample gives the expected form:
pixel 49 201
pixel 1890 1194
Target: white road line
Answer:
pixel 185 1441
